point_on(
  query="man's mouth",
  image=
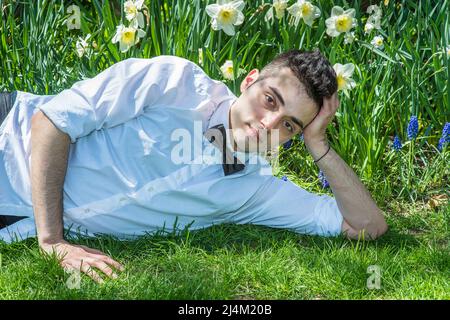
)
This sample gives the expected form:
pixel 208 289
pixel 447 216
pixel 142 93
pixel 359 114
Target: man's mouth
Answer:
pixel 252 132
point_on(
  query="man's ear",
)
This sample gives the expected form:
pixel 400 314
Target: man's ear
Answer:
pixel 249 79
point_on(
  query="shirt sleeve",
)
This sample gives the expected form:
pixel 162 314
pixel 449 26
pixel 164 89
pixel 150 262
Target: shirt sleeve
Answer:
pixel 283 204
pixel 120 93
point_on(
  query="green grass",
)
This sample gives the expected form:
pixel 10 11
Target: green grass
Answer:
pixel 252 262
pixel 408 77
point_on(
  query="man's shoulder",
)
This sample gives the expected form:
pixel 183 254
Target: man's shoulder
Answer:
pixel 165 59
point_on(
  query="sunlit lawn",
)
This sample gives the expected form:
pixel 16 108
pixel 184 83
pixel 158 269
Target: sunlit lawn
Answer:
pixel 407 77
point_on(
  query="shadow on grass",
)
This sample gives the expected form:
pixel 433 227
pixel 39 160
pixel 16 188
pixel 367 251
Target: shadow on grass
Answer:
pixel 243 238
pixel 234 238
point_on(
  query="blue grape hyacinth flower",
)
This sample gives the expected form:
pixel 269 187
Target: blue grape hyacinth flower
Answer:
pixel 284 178
pixel 397 144
pixel 445 138
pixel 287 144
pixel 323 180
pixel 413 128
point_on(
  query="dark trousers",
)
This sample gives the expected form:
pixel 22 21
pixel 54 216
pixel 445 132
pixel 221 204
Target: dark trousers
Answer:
pixel 6 103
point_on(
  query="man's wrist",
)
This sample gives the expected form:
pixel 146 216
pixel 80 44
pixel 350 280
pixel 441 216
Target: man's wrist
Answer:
pixel 50 241
pixel 317 148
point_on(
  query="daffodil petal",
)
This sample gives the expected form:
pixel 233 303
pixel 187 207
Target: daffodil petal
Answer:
pixel 140 19
pixel 239 4
pixel 228 29
pixel 214 25
pixel 330 23
pixel 294 9
pixel 351 83
pixel 337 68
pixel 309 21
pixel 213 10
pixel 348 69
pixel 350 12
pixel 332 33
pixel 336 11
pixel 139 4
pixel 240 19
pixel 124 47
pixel 141 33
pixel 317 12
pixel 269 15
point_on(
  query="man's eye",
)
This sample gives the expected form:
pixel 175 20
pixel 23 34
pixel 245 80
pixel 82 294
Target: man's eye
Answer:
pixel 289 126
pixel 269 99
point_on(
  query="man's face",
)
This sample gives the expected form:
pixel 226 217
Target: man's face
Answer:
pixel 273 106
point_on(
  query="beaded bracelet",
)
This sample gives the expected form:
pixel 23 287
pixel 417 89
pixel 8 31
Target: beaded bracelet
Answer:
pixel 329 147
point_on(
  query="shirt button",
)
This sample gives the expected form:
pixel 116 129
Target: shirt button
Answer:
pixel 87 210
pixel 178 176
pixel 150 189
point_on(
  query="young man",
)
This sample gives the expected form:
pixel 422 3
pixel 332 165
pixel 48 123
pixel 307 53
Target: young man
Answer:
pixel 119 154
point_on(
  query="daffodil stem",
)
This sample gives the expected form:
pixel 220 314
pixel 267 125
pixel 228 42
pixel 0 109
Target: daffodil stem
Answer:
pixel 219 44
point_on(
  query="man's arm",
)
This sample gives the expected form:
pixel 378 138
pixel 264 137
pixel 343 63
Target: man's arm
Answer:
pixel 359 210
pixel 49 153
pixel 49 156
pixel 361 215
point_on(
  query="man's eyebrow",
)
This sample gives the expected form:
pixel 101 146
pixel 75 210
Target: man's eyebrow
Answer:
pixel 277 93
pixel 294 119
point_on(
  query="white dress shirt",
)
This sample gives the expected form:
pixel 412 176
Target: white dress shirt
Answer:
pixel 124 125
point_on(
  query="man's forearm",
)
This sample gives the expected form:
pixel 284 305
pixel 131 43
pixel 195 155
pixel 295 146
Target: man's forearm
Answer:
pixel 352 197
pixel 49 154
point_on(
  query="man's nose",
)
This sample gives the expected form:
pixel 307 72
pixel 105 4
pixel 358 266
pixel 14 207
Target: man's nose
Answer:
pixel 271 120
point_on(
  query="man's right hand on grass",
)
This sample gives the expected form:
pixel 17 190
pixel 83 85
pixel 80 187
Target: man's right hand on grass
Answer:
pixel 83 259
pixel 49 157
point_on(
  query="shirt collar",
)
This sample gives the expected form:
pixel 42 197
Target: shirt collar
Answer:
pixel 221 115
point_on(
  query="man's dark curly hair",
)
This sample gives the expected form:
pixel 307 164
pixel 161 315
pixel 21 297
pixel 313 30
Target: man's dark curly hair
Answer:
pixel 312 69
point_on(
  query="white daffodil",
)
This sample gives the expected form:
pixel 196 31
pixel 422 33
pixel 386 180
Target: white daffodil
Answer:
pixel 132 13
pixel 74 20
pixel 279 6
pixel 377 42
pixel 375 10
pixel 349 37
pixel 344 76
pixel 83 46
pixel 127 37
pixel 448 51
pixel 228 70
pixel 225 14
pixel 373 22
pixel 340 21
pixel 303 9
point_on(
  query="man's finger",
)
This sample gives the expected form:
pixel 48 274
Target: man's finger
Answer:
pixel 87 269
pixel 113 263
pixel 103 267
pixel 104 257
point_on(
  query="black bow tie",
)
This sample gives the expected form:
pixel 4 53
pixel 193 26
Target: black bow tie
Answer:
pixel 218 137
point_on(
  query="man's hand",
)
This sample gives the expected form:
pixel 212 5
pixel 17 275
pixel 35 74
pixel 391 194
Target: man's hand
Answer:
pixel 83 259
pixel 315 132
